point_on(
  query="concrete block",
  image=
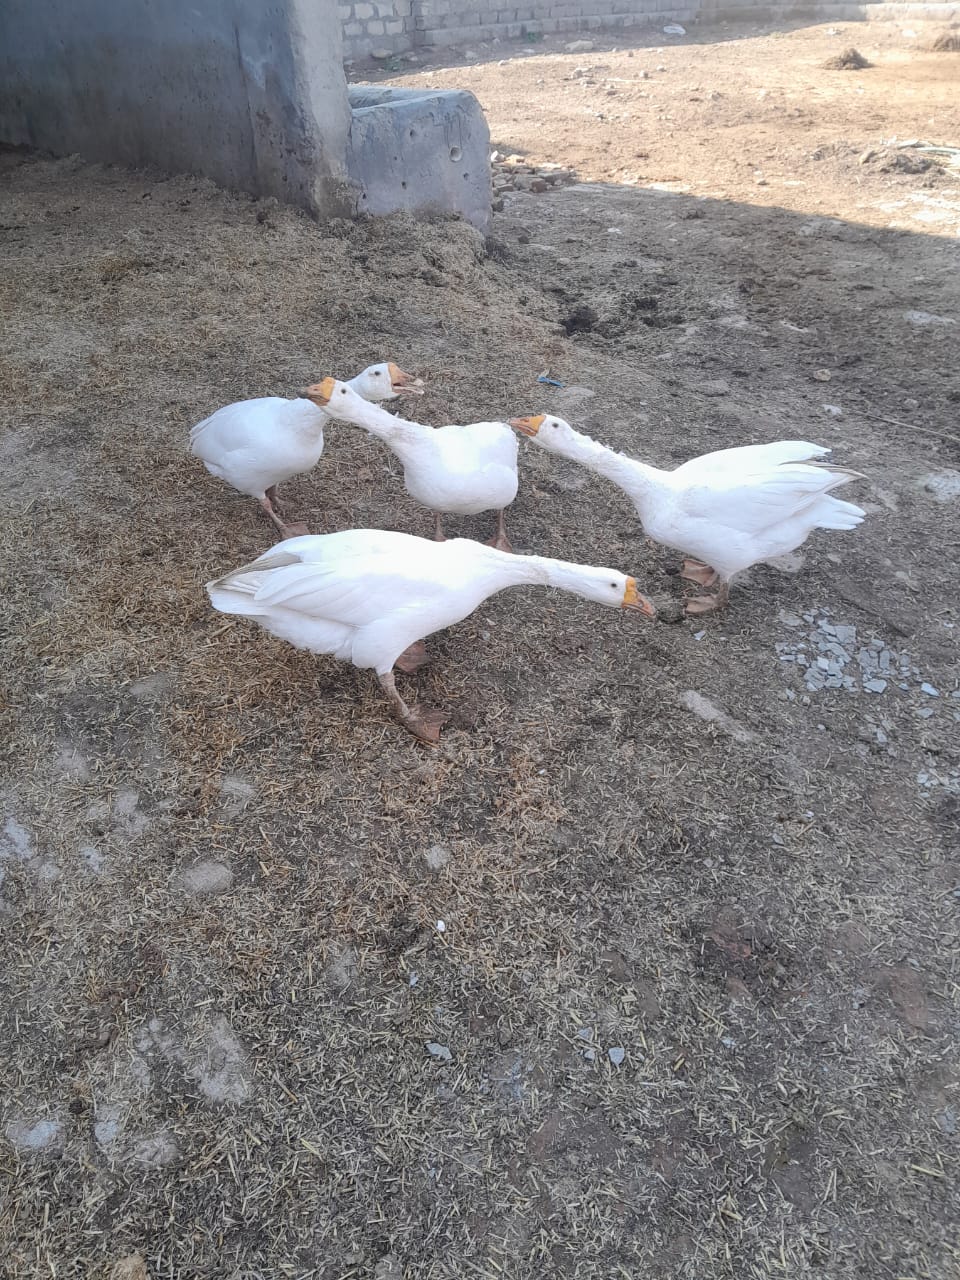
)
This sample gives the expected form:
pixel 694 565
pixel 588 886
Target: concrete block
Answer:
pixel 344 12
pixel 363 12
pixel 420 150
pixel 394 28
pixel 375 27
pixel 353 29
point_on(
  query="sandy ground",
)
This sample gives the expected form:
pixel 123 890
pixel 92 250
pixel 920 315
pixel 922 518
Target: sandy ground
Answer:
pixel 694 1008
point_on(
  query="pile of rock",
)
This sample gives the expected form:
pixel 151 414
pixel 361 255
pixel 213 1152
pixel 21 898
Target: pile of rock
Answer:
pixel 514 173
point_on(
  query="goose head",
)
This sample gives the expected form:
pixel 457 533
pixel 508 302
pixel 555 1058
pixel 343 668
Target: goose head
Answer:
pixel 615 590
pixel 549 432
pixel 332 395
pixel 386 381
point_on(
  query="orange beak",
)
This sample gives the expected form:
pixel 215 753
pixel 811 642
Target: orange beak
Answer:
pixel 635 602
pixel 320 392
pixel 528 426
pixel 404 384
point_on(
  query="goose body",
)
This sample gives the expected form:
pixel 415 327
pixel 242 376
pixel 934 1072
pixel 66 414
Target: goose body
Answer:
pixel 254 445
pixel 369 596
pixel 728 509
pixel 459 470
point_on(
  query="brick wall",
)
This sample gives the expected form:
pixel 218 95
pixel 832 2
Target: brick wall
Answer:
pixel 396 26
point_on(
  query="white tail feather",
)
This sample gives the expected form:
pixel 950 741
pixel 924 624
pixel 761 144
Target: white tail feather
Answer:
pixel 834 513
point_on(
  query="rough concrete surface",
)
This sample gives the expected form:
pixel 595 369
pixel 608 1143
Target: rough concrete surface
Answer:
pixel 249 95
pixel 421 151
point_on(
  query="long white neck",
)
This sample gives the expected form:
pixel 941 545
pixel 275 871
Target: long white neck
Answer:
pixel 508 570
pixel 403 437
pixel 637 479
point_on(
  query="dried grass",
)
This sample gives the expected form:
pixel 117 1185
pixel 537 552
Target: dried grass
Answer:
pixel 619 874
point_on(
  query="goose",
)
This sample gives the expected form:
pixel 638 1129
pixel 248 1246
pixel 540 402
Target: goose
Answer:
pixel 459 469
pixel 370 596
pixel 725 510
pixel 255 444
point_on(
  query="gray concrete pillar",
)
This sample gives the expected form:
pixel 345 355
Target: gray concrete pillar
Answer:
pixel 249 93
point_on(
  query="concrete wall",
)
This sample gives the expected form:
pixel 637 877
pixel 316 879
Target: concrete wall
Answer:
pixel 397 26
pixel 250 93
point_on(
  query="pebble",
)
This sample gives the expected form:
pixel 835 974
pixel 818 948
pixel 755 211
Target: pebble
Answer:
pixel 440 1051
pixel 579 46
pixel 616 1056
pixel 875 686
pixel 436 858
pixel 920 318
pixel 132 1267
pixel 943 485
pixel 34 1135
pixel 207 877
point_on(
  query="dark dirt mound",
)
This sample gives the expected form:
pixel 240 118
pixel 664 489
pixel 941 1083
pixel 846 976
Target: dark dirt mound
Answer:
pixel 848 60
pixel 948 42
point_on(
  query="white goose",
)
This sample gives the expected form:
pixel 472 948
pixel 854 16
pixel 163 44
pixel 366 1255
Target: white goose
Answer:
pixel 369 597
pixel 459 469
pixel 254 445
pixel 729 509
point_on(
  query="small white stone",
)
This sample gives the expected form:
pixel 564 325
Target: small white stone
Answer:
pixel 616 1055
pixel 441 926
pixel 207 877
pixel 34 1135
pixel 436 857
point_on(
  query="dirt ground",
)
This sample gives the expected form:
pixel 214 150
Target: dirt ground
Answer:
pixel 694 1008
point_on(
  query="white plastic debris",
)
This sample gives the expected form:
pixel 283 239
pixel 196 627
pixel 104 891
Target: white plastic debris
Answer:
pixel 674 29
pixel 441 926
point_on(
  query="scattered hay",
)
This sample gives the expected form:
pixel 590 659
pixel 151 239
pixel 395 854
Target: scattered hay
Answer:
pixel 848 60
pixel 947 42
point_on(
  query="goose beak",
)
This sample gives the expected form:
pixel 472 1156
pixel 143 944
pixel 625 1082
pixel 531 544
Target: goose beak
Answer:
pixel 404 384
pixel 528 426
pixel 635 602
pixel 320 392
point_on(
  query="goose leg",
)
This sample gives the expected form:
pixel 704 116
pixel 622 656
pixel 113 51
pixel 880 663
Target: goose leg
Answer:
pixel 698 572
pixel 267 506
pixel 438 535
pixel 286 530
pixel 421 722
pixel 712 600
pixel 274 499
pixel 412 658
pixel 500 539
